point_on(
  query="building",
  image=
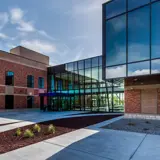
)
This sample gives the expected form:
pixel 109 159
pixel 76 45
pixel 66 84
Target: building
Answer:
pixel 131 44
pixel 23 75
pixel 125 78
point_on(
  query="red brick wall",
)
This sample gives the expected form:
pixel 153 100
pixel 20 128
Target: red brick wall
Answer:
pixel 158 99
pixel 20 90
pixel 36 102
pixel 133 101
pixel 2 89
pixel 20 102
pixel 20 79
pixel 2 102
pixel 20 73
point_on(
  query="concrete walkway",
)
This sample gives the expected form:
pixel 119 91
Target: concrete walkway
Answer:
pixel 92 143
pixel 26 117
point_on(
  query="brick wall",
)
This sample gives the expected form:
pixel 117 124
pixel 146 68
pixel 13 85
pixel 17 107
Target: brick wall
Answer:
pixel 158 101
pixel 20 79
pixel 20 102
pixel 2 102
pixel 133 101
pixel 20 90
pixel 2 89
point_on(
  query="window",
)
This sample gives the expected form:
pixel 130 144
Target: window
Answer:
pixel 81 65
pixel 10 78
pixel 141 68
pixel 41 82
pixel 30 81
pixel 100 60
pixel 155 30
pixel 116 72
pixel 88 63
pixel 155 66
pixel 95 62
pixel 116 41
pixel 70 66
pixel 115 8
pixel 139 35
pixel 136 3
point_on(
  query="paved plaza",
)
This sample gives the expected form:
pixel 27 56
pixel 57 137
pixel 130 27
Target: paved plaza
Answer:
pixel 91 143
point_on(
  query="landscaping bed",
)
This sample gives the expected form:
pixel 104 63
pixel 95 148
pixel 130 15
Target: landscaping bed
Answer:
pixel 9 141
pixel 136 125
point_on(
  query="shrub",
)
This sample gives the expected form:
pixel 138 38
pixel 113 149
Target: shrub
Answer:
pixel 51 128
pixel 147 122
pixel 18 132
pixel 36 128
pixel 131 124
pixel 28 133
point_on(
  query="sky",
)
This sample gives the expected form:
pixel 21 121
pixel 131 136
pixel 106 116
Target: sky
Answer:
pixel 64 30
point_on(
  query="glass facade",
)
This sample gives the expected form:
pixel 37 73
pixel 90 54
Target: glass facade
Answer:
pixel 131 38
pixel 83 86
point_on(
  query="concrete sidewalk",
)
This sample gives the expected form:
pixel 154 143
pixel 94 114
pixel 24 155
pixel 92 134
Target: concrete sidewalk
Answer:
pixel 27 117
pixel 92 143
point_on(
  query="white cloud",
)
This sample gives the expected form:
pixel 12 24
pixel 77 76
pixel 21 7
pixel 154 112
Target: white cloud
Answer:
pixel 139 72
pixel 3 36
pixel 89 6
pixel 3 19
pixel 116 72
pixel 17 17
pixel 43 33
pixel 39 46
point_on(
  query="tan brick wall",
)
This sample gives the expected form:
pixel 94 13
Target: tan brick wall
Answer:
pixel 133 101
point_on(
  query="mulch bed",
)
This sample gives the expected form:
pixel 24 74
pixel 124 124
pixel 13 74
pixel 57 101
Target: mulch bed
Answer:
pixel 9 142
pixel 136 125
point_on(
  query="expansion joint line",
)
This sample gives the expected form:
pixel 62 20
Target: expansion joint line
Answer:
pixel 138 147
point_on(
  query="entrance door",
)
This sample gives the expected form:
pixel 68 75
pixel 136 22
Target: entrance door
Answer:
pixel 149 101
pixel 9 102
pixel 30 100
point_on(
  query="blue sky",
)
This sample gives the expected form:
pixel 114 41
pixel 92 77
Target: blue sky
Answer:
pixel 65 30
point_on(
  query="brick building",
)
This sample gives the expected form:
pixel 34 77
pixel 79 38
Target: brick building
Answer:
pixel 23 75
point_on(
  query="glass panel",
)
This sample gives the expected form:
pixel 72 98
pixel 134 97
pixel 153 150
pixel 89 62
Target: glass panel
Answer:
pixel 155 66
pixel 136 3
pixel 95 73
pixel 95 62
pixel 139 35
pixel 115 7
pixel 141 68
pixel 9 78
pixel 75 66
pixel 70 66
pixel 80 64
pixel 116 41
pixel 41 82
pixel 155 30
pixel 88 63
pixel 100 60
pixel 116 72
pixel 30 81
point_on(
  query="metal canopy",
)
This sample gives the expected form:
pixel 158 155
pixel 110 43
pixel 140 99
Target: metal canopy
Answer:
pixel 55 94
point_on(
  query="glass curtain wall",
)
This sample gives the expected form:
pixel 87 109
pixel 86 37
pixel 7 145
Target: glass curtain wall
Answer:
pixel 131 43
pixel 82 82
